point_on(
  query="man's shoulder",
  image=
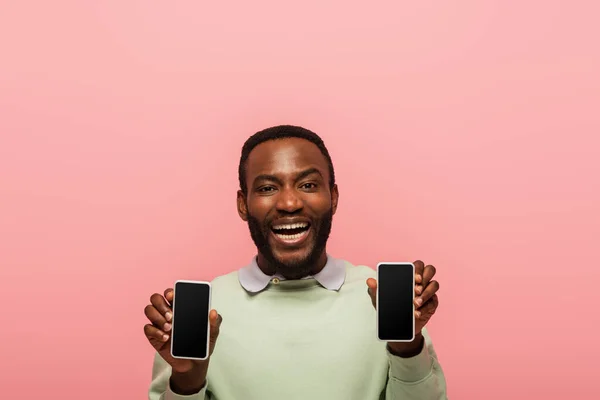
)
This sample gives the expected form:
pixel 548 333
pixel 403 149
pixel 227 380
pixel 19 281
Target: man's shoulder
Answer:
pixel 228 280
pixel 227 290
pixel 358 271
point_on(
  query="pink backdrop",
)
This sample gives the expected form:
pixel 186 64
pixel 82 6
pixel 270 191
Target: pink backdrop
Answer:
pixel 464 133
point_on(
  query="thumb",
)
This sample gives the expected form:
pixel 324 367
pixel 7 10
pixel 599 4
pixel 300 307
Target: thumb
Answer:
pixel 215 324
pixel 372 290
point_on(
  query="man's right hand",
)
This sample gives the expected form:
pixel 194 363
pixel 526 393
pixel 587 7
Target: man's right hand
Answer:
pixel 189 375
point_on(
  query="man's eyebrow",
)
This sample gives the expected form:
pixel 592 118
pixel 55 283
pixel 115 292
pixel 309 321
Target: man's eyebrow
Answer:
pixel 301 175
pixel 308 172
pixel 267 177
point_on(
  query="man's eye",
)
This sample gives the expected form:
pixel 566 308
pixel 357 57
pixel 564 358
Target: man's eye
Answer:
pixel 308 186
pixel 266 189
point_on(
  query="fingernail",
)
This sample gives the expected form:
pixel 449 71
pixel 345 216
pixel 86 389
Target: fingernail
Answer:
pixel 418 313
pixel 419 301
pixel 167 327
pixel 168 316
pixel 419 289
pixel 165 338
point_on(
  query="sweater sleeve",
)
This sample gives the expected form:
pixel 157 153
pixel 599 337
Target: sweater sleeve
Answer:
pixel 160 389
pixel 419 377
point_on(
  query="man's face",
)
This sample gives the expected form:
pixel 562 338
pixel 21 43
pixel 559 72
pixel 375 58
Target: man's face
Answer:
pixel 289 205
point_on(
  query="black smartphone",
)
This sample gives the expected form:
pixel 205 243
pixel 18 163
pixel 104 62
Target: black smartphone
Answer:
pixel 190 326
pixel 395 297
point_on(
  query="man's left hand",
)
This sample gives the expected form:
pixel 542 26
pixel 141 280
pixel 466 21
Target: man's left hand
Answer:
pixel 426 302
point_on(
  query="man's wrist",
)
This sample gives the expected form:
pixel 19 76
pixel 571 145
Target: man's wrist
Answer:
pixel 187 383
pixel 407 349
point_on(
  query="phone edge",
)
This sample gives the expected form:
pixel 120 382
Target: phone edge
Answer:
pixel 208 325
pixel 377 302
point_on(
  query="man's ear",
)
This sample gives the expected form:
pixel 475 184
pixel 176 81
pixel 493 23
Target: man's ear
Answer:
pixel 334 198
pixel 241 205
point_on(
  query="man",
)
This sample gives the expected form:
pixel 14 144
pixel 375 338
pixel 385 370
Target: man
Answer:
pixel 296 323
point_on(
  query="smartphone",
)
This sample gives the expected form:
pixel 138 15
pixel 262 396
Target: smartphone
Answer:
pixel 190 325
pixel 395 301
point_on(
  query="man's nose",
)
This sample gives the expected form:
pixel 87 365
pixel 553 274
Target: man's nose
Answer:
pixel 289 201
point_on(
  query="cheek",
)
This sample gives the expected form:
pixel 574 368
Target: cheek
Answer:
pixel 320 206
pixel 259 208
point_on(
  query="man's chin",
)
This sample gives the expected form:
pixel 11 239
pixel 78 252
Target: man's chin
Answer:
pixel 290 255
pixel 291 261
pixel 293 266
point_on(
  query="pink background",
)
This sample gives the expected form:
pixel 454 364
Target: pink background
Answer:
pixel 464 133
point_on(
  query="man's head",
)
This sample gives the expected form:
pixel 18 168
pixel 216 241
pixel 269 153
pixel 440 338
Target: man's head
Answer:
pixel 288 197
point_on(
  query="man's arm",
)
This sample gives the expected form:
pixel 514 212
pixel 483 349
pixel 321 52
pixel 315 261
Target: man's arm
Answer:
pixel 161 386
pixel 416 374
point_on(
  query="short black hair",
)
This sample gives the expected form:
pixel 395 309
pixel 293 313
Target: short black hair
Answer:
pixel 281 132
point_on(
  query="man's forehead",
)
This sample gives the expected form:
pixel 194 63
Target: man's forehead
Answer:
pixel 285 155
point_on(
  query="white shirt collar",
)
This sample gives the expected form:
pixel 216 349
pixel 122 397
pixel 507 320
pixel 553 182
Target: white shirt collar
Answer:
pixel 331 277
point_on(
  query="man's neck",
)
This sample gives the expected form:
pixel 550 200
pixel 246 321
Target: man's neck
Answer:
pixel 269 269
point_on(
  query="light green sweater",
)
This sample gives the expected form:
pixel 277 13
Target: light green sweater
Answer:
pixel 299 341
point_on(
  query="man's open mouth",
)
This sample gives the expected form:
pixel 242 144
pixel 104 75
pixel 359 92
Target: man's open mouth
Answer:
pixel 291 233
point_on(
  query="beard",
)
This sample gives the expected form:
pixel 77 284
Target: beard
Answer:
pixel 300 267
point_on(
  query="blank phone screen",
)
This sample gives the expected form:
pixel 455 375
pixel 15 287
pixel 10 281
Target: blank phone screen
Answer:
pixel 190 320
pixel 395 311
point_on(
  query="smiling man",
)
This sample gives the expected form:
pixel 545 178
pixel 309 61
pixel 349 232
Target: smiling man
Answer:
pixel 289 227
pixel 296 323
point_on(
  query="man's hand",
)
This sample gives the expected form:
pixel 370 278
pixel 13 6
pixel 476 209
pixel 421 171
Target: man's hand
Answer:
pixel 188 376
pixel 426 302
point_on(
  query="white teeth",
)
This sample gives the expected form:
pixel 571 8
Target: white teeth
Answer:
pixel 291 226
pixel 291 237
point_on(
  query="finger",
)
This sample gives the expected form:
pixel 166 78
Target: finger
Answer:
pixel 215 321
pixel 214 317
pixel 161 305
pixel 372 290
pixel 157 319
pixel 428 274
pixel 169 296
pixel 428 308
pixel 419 267
pixel 428 293
pixel 418 289
pixel 153 332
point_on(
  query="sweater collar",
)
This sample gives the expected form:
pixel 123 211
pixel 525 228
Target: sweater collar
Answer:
pixel 331 277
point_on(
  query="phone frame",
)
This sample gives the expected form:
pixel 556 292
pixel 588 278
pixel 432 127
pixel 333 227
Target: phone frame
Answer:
pixel 175 322
pixel 413 302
